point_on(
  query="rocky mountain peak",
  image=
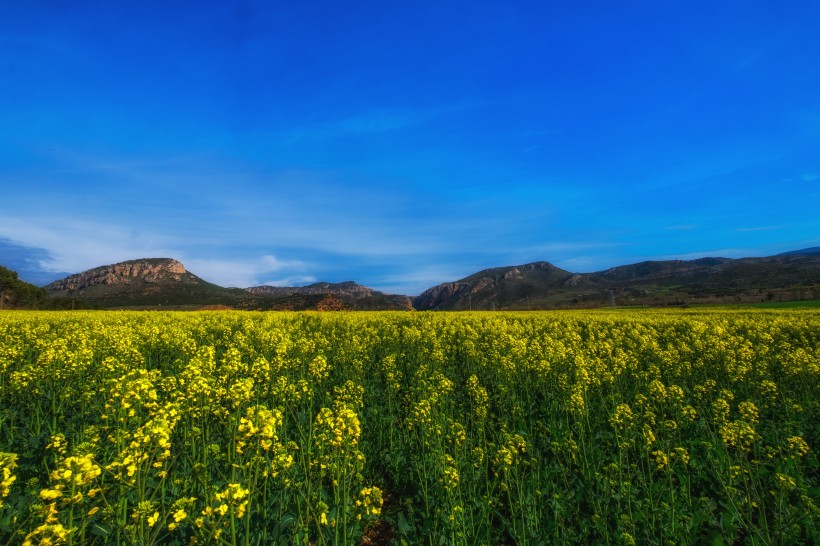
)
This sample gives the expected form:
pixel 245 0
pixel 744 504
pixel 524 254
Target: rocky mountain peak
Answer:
pixel 148 270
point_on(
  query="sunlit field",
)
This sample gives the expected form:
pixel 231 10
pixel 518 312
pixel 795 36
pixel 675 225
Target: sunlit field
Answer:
pixel 623 427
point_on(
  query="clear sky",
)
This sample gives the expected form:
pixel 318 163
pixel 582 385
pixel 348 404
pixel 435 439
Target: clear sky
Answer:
pixel 405 144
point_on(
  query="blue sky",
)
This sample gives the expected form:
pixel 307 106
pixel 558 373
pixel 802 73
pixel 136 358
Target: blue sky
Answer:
pixel 404 144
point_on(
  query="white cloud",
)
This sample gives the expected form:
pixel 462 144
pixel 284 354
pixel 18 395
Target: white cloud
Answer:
pixel 295 280
pixel 413 280
pixel 77 245
pixel 240 273
pixel 271 263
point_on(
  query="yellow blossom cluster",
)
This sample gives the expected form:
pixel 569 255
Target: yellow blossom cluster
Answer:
pixel 8 463
pixel 259 426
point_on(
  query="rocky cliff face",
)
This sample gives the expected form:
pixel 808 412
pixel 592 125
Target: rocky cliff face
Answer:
pixel 151 271
pixel 352 295
pixel 348 288
pixel 435 297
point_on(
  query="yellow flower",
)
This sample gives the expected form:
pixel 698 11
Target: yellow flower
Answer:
pixel 50 494
pixel 720 410
pixel 8 463
pixel 648 435
pixel 739 434
pixel 48 533
pixel 681 454
pixel 622 418
pixel 785 482
pixel 657 390
pixel 797 447
pixel 180 515
pixel 661 459
pixel 576 402
pixel 690 413
pixel 748 411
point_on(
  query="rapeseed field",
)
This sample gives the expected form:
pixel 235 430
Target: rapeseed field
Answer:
pixel 621 427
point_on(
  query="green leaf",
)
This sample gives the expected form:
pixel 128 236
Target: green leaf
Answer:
pixel 101 530
pixel 404 525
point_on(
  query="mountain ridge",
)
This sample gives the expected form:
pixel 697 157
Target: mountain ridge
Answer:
pixel 790 276
pixel 156 282
pixel 165 282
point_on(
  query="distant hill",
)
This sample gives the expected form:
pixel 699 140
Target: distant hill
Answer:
pixel 350 294
pixel 496 288
pixel 813 251
pixel 164 282
pixel 541 285
pixel 18 294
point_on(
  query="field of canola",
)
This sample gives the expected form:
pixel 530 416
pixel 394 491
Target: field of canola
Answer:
pixel 621 427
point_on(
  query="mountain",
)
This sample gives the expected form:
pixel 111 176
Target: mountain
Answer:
pixel 164 282
pixel 145 282
pixel 495 288
pixel 350 294
pixel 540 285
pixel 813 251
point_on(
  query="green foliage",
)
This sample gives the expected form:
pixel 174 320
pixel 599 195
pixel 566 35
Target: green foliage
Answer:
pixel 17 294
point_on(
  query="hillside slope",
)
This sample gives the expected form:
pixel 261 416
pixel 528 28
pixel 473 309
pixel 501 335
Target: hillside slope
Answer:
pixel 673 282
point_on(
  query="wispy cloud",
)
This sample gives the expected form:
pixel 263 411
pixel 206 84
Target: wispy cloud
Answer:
pixel 382 120
pixel 417 279
pixel 294 280
pixel 72 246
pixel 242 273
pixel 760 228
